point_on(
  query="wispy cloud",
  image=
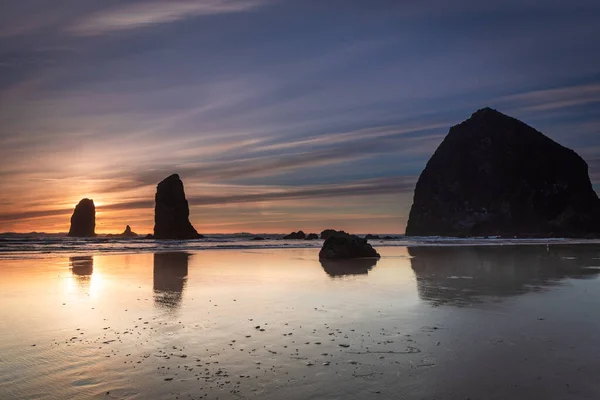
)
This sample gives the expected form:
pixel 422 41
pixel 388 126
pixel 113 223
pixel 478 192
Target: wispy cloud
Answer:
pixel 148 13
pixel 552 99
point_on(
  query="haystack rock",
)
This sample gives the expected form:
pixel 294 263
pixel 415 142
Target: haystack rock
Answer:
pixel 171 212
pixel 128 232
pixel 83 220
pixel 493 175
pixel 346 246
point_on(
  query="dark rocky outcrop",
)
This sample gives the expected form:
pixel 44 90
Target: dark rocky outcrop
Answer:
pixel 83 220
pixel 346 246
pixel 149 236
pixel 372 237
pixel 258 238
pixel 128 232
pixel 312 236
pixel 296 235
pixel 331 232
pixel 171 212
pixel 496 176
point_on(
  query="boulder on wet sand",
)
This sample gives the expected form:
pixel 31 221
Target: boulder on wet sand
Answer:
pixel 171 212
pixel 346 246
pixel 493 175
pixel 296 235
pixel 312 236
pixel 83 220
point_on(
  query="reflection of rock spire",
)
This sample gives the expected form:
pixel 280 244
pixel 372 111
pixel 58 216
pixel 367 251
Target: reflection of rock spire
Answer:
pixel 170 273
pixel 463 275
pixel 344 267
pixel 82 268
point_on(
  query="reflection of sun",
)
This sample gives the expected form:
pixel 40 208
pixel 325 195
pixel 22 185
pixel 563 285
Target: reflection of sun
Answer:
pixel 96 284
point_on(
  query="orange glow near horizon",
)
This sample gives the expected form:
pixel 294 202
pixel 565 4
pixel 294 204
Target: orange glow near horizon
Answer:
pixel 268 217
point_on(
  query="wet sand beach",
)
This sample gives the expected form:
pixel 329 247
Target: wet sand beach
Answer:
pixel 429 322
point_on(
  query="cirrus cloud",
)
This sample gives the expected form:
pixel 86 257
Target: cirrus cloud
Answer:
pixel 148 13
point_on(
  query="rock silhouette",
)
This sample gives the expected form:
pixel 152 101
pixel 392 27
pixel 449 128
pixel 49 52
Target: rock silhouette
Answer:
pixel 171 212
pixel 128 232
pixel 312 236
pixel 296 235
pixel 83 220
pixel 331 232
pixel 346 246
pixel 493 175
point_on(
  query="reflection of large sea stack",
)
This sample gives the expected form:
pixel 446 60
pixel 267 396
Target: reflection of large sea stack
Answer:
pixel 493 175
pixel 462 275
pixel 82 268
pixel 171 213
pixel 82 265
pixel 83 220
pixel 170 273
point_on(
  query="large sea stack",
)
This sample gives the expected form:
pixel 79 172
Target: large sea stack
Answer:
pixel 83 220
pixel 171 212
pixel 493 175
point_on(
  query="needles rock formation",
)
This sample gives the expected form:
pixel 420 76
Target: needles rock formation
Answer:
pixel 171 212
pixel 83 220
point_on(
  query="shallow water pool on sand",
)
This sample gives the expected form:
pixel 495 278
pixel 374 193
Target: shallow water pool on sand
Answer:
pixel 483 322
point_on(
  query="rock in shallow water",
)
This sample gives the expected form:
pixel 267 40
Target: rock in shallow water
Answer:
pixel 493 175
pixel 171 212
pixel 346 246
pixel 83 220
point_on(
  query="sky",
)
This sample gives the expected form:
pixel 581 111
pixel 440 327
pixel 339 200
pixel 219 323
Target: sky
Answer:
pixel 278 115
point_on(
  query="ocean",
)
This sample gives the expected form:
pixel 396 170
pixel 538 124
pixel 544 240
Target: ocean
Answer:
pixel 228 317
